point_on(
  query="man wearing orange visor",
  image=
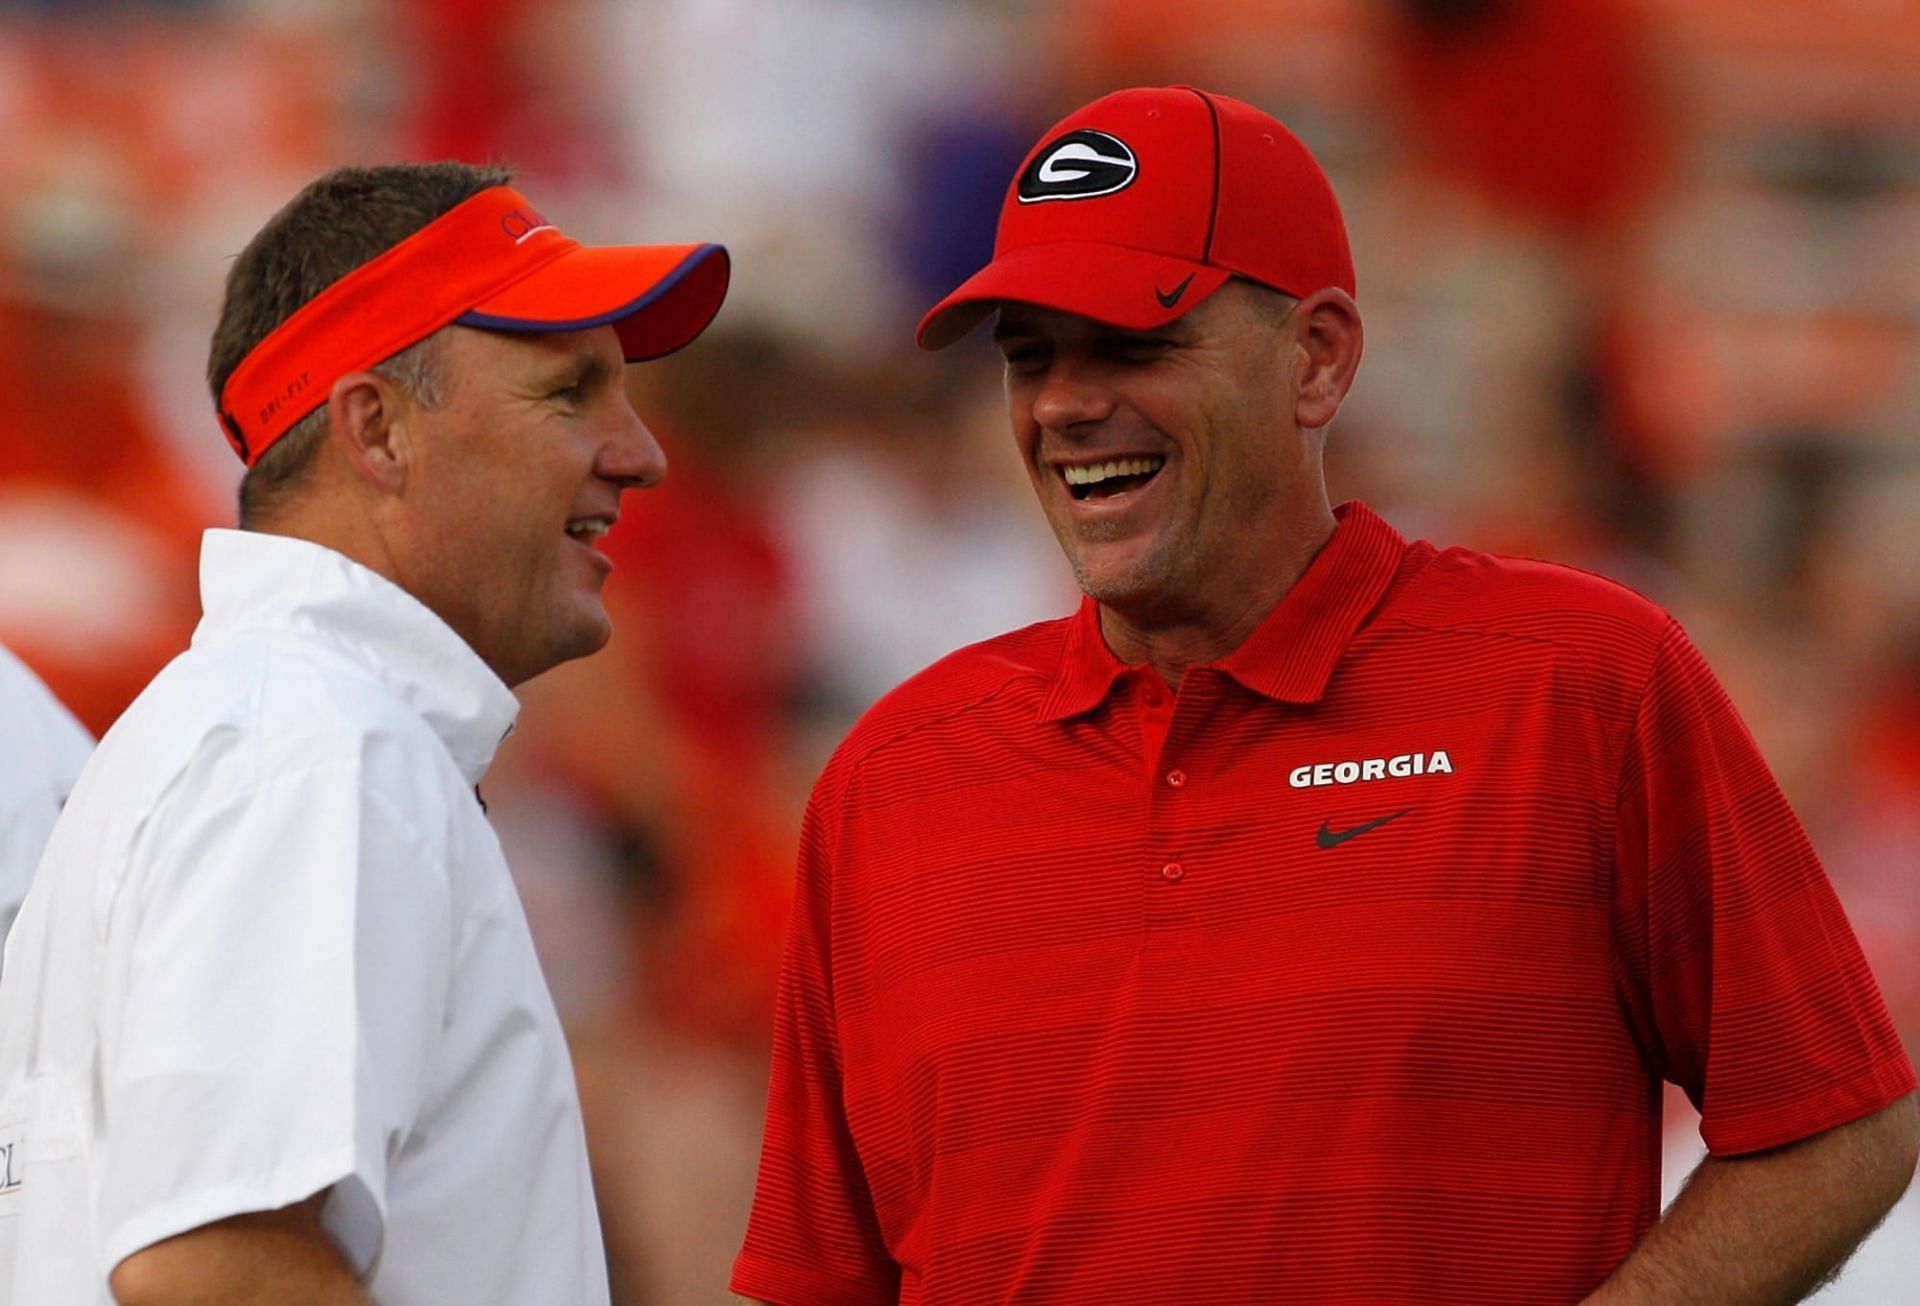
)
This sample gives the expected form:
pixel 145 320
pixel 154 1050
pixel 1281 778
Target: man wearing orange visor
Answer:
pixel 272 1028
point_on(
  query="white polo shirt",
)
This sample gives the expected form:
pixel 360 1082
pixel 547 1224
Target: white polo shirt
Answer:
pixel 273 948
pixel 42 749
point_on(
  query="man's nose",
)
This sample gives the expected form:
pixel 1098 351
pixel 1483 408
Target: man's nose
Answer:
pixel 632 456
pixel 1071 395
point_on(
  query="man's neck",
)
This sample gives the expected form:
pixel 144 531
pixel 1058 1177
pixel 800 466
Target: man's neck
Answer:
pixel 1171 642
pixel 346 533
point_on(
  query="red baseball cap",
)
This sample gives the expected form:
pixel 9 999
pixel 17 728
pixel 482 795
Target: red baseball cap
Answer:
pixel 1137 207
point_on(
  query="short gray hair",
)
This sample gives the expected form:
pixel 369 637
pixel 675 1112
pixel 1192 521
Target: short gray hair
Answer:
pixel 1273 304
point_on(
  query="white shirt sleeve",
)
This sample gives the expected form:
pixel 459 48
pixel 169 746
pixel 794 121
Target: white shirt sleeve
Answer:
pixel 277 977
pixel 42 748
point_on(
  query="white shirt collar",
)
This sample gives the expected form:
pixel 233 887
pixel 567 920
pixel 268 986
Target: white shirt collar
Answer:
pixel 251 581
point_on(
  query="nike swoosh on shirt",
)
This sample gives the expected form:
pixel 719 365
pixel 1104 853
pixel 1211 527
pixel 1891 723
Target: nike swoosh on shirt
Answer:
pixel 1332 838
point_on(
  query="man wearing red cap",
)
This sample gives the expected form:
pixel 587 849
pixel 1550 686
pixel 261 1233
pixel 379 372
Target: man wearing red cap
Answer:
pixel 1313 916
pixel 271 1028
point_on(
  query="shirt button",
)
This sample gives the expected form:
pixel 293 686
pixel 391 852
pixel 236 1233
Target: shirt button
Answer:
pixel 1172 871
pixel 1152 695
pixel 1176 779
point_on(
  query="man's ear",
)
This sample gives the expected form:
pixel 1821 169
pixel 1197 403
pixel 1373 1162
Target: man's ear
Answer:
pixel 370 420
pixel 1330 334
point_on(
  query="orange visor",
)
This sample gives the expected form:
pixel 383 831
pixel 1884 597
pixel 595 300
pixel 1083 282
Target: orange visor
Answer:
pixel 492 262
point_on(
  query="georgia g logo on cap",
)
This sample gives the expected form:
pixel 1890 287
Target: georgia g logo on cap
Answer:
pixel 1078 166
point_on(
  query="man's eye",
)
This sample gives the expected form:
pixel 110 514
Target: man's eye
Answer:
pixel 1024 359
pixel 575 394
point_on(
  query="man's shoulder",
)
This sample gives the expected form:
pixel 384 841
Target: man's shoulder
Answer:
pixel 273 703
pixel 1019 665
pixel 44 745
pixel 1468 590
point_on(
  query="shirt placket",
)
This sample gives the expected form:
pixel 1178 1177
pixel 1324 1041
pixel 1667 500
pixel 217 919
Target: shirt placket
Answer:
pixel 1168 865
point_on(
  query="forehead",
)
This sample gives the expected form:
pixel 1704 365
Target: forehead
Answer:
pixel 1221 310
pixel 472 350
pixel 1015 321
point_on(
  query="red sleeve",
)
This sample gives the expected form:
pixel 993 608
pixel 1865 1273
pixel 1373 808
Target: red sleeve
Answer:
pixel 813 1239
pixel 1739 969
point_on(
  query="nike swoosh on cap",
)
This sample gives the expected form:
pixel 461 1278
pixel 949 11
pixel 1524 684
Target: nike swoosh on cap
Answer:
pixel 1168 298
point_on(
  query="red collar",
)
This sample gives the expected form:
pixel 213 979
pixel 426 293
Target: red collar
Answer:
pixel 1290 656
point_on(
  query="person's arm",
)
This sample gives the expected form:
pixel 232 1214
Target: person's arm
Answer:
pixel 276 974
pixel 1772 1226
pixel 813 1234
pixel 1744 984
pixel 269 1258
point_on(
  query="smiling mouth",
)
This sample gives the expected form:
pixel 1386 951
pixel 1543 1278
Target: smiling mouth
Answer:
pixel 1111 479
pixel 588 529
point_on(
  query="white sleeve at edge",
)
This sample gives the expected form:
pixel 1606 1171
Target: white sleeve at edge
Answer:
pixel 276 980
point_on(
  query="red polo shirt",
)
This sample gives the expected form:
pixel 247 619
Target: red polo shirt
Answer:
pixel 1348 974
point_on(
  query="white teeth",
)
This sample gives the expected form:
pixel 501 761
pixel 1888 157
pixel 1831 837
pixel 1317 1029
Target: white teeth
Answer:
pixel 589 529
pixel 1104 471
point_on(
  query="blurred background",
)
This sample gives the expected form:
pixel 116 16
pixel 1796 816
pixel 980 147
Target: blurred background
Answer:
pixel 1642 289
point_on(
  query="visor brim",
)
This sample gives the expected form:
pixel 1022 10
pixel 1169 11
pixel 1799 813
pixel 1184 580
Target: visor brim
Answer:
pixel 657 297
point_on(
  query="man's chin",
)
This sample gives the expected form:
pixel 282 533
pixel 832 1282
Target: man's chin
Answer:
pixel 1137 585
pixel 590 634
pixel 1118 563
pixel 584 635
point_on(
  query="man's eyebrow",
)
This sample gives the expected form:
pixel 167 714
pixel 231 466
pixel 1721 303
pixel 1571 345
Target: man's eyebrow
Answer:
pixel 588 369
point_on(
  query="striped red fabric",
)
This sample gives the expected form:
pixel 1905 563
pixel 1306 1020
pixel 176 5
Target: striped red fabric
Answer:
pixel 1347 974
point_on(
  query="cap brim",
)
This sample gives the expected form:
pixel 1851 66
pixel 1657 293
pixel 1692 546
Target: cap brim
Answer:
pixel 658 297
pixel 1109 283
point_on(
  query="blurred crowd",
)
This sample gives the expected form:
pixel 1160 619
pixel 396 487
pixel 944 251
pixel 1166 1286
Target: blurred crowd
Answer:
pixel 1641 281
